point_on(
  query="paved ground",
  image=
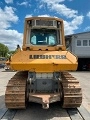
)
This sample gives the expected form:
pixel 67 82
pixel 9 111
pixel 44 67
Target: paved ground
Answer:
pixel 84 78
pixel 34 111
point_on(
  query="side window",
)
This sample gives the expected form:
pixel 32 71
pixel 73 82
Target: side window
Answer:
pixel 85 43
pixel 78 42
pixel 33 40
pixel 52 40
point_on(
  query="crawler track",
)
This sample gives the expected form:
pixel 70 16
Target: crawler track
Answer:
pixel 72 94
pixel 15 96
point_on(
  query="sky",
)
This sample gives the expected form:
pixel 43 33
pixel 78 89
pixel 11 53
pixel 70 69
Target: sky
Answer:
pixel 75 13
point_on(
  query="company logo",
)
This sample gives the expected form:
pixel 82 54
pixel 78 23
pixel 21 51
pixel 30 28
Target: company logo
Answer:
pixel 47 57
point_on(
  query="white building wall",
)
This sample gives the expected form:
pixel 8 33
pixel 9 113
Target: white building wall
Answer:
pixel 82 50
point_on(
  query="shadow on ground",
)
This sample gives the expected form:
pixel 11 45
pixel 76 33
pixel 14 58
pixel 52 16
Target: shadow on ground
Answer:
pixel 34 111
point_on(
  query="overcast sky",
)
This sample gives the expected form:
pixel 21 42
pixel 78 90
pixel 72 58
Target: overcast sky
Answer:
pixel 75 13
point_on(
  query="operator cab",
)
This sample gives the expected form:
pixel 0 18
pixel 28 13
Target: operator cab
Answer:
pixel 43 32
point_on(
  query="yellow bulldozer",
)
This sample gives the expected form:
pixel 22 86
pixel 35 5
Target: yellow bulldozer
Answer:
pixel 42 67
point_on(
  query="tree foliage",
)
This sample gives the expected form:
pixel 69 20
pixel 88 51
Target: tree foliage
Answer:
pixel 11 52
pixel 3 50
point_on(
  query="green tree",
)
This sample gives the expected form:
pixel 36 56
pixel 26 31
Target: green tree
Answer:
pixel 3 50
pixel 11 52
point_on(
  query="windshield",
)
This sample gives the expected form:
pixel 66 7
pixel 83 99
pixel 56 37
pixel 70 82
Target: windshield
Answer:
pixel 43 37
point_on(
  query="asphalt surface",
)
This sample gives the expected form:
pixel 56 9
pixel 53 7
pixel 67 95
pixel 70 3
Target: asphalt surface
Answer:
pixel 34 111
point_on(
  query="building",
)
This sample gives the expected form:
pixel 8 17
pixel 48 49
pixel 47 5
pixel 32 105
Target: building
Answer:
pixel 79 44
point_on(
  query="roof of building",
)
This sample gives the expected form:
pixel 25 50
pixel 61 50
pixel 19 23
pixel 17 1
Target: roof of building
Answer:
pixel 76 34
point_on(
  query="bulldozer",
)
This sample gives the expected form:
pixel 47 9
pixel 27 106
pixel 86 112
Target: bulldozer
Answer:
pixel 43 64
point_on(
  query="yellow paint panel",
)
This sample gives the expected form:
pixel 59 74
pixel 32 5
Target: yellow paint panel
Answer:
pixel 21 61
